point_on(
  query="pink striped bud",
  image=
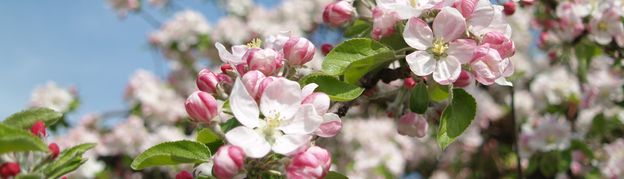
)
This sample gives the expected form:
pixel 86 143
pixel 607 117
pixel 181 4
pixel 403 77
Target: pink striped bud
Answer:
pixel 383 23
pixel 330 127
pixel 207 81
pixel 298 51
pixel 338 13
pixel 268 61
pixel 464 79
pixel 319 100
pixel 228 161
pixel 501 43
pixel 263 84
pixel 251 80
pixel 313 163
pixel 201 107
pixel 413 125
pixel 487 65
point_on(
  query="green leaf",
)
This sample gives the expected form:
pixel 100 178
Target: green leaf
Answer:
pixel 419 99
pixel 67 160
pixel 334 88
pixel 549 164
pixel 210 139
pixel 358 29
pixel 456 117
pixel 18 140
pixel 354 50
pixel 172 153
pixel 26 118
pixel 395 41
pixel 335 175
pixel 229 125
pixel 437 92
pixel 358 69
pixel 30 176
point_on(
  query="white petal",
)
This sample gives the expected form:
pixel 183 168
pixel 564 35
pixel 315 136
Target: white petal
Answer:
pixel 462 49
pixel 421 63
pixel 405 12
pixel 447 70
pixel 281 98
pixel 417 34
pixel 449 24
pixel 226 56
pixel 308 89
pixel 244 106
pixel 254 145
pixel 304 122
pixel 288 144
pixel 503 82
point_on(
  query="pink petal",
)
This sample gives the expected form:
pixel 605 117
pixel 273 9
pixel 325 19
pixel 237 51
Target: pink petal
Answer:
pixel 462 49
pixel 421 63
pixel 449 24
pixel 417 34
pixel 447 70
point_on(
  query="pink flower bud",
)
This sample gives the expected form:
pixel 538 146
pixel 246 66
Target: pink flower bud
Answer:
pixel 409 82
pixel 313 163
pixel 466 7
pixel 228 161
pixel 207 81
pixel 330 127
pixel 251 80
pixel 268 61
pixel 319 100
pixel 487 65
pixel 263 84
pixel 39 129
pixel 326 48
pixel 463 80
pixel 225 68
pixel 184 175
pixel 413 125
pixel 241 68
pixel 9 169
pixel 338 13
pixel 201 107
pixel 383 23
pixel 510 8
pixel 501 43
pixel 54 150
pixel 298 51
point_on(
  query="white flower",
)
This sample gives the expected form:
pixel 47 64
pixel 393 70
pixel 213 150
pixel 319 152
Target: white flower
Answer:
pixel 52 96
pixel 614 166
pixel 184 30
pixel 286 125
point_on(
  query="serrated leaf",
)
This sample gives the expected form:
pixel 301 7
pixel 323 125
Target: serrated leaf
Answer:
pixel 30 176
pixel 334 88
pixel 66 158
pixel 210 139
pixel 69 167
pixel 456 117
pixel 18 140
pixel 335 175
pixel 354 50
pixel 172 153
pixel 358 29
pixel 437 92
pixel 26 118
pixel 419 99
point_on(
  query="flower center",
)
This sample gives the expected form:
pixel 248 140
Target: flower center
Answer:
pixel 414 3
pixel 272 123
pixel 439 48
pixel 603 26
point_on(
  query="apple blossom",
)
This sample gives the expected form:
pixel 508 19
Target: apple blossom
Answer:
pixel 207 81
pixel 38 129
pixel 383 23
pixel 267 61
pixel 487 65
pixel 412 124
pixel 9 169
pixel 606 24
pixel 228 161
pixel 439 51
pixel 338 13
pixel 405 9
pixel 52 96
pixel 298 51
pixel 184 30
pixel 503 45
pixel 551 134
pixel 613 166
pixel 201 107
pixel 286 126
pixel 313 163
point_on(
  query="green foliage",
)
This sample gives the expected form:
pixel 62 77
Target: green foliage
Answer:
pixel 456 117
pixel 68 160
pixel 437 92
pixel 334 88
pixel 30 176
pixel 172 153
pixel 229 125
pixel 26 118
pixel 19 140
pixel 359 28
pixel 353 50
pixel 210 139
pixel 419 99
pixel 335 175
pixel 585 51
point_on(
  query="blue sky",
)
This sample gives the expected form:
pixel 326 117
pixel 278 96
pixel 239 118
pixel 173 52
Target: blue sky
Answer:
pixel 81 43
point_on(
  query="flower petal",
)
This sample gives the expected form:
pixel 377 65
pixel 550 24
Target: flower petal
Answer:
pixel 462 49
pixel 421 63
pixel 228 57
pixel 447 70
pixel 281 98
pixel 304 122
pixel 254 145
pixel 417 34
pixel 244 106
pixel 331 125
pixel 449 24
pixel 289 144
pixel 308 89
